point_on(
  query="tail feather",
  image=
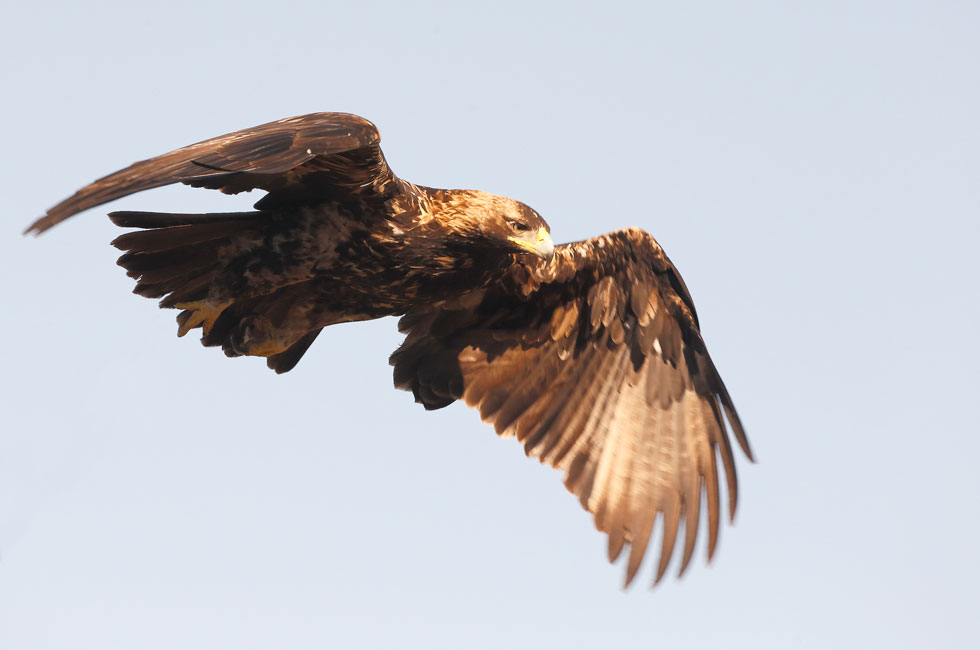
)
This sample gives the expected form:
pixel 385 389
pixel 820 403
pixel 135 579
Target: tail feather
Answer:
pixel 197 256
pixel 176 258
pixel 126 219
pixel 176 276
pixel 172 237
pixel 194 290
pixel 192 282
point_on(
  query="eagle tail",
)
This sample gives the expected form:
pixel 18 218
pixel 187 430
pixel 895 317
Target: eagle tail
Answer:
pixel 174 256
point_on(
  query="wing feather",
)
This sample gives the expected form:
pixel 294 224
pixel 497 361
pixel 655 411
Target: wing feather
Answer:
pixel 595 363
pixel 294 159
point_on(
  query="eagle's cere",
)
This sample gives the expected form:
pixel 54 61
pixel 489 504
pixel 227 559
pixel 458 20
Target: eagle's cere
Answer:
pixel 589 353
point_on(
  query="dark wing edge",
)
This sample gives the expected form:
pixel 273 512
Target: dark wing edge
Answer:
pixel 595 363
pixel 273 156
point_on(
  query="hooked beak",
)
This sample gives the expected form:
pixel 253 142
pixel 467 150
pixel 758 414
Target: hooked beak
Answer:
pixel 539 244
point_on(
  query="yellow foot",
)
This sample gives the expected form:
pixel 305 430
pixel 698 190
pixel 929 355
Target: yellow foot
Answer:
pixel 203 313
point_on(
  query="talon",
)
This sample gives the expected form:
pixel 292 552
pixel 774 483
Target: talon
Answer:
pixel 202 312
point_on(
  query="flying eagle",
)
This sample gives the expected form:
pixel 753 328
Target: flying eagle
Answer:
pixel 589 353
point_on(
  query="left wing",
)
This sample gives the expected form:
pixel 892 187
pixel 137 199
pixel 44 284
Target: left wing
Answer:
pixel 595 363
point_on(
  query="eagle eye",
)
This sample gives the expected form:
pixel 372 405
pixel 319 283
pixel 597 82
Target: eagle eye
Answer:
pixel 520 226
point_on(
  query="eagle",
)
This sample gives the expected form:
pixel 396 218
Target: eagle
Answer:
pixel 588 353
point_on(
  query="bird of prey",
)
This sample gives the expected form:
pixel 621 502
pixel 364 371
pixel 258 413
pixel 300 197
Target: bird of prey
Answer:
pixel 589 353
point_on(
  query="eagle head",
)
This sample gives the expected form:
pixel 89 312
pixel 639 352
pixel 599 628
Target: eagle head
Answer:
pixel 488 220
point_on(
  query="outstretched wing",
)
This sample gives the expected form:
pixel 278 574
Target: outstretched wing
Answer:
pixel 595 363
pixel 309 157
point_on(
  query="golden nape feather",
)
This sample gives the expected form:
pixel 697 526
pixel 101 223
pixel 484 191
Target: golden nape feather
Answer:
pixel 589 354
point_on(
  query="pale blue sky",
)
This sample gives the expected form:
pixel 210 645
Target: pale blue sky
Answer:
pixel 811 168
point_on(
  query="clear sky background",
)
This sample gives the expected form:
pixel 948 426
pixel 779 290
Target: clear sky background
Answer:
pixel 811 168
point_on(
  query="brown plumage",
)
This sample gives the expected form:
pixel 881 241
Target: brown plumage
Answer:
pixel 590 354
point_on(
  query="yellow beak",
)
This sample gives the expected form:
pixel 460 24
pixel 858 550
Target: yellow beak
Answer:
pixel 539 244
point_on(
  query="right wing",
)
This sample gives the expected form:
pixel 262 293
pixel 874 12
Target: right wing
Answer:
pixel 595 363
